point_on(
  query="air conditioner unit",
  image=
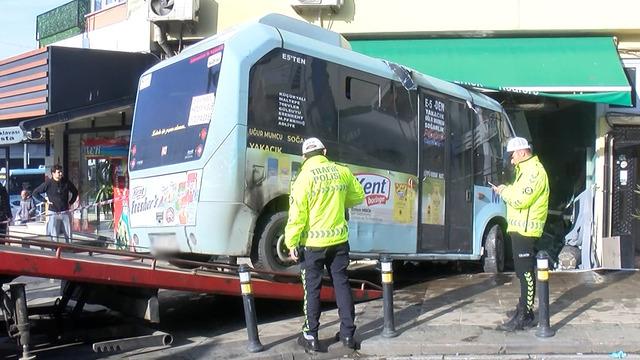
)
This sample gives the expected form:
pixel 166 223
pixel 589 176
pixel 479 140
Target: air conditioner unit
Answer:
pixel 623 115
pixel 173 10
pixel 301 5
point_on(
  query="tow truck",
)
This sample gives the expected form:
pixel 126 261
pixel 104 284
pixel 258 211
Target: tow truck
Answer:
pixel 128 281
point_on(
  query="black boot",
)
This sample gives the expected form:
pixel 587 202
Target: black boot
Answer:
pixel 348 342
pixel 523 319
pixel 309 345
pixel 512 313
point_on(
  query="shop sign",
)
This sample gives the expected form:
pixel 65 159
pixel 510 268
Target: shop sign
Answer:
pixel 11 135
pixel 106 147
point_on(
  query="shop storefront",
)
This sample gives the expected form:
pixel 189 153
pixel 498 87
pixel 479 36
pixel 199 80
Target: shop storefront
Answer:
pixel 556 91
pixel 97 165
pixel 81 101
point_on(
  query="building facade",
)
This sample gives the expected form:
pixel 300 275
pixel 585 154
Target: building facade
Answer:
pixel 583 133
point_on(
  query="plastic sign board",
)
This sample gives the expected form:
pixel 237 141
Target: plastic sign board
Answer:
pixel 11 135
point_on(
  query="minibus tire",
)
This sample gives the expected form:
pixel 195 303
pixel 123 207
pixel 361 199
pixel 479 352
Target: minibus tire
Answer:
pixel 493 258
pixel 267 258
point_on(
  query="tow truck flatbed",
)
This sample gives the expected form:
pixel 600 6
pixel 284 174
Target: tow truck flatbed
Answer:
pixel 92 264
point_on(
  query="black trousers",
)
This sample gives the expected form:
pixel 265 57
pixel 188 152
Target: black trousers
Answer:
pixel 524 258
pixel 3 231
pixel 336 259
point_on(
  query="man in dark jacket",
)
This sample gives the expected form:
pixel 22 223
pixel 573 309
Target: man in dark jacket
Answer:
pixel 5 211
pixel 57 190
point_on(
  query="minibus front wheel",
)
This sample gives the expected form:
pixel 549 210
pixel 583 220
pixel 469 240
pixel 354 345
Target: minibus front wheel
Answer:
pixel 269 252
pixel 493 256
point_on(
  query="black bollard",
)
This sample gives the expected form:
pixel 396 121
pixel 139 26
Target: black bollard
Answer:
pixel 249 309
pixel 544 329
pixel 389 329
pixel 19 299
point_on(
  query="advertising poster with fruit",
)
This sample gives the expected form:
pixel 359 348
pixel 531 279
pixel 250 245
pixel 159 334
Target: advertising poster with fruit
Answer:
pixel 433 201
pixel 169 200
pixel 390 197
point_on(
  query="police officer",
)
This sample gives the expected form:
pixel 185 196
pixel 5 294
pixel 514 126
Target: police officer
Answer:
pixel 316 235
pixel 527 201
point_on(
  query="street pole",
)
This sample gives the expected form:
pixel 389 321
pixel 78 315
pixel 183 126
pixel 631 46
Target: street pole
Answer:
pixel 544 329
pixel 249 309
pixel 389 329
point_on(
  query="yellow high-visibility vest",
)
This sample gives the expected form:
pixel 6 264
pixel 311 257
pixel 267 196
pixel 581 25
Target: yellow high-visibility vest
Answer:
pixel 319 196
pixel 527 198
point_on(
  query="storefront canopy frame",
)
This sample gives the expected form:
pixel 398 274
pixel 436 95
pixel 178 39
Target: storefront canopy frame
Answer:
pixel 577 68
pixel 68 116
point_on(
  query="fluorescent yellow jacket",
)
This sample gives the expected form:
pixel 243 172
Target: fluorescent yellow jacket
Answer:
pixel 317 203
pixel 527 198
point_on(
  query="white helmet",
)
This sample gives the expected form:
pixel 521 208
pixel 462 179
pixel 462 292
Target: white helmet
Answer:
pixel 517 143
pixel 311 144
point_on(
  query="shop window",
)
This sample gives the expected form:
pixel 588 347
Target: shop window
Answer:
pixel 103 4
pixel 98 168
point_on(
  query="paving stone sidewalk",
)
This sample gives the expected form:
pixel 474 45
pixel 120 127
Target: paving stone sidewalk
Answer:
pixel 594 314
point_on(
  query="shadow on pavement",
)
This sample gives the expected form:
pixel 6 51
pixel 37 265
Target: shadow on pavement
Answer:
pixel 575 314
pixel 404 317
pixel 591 282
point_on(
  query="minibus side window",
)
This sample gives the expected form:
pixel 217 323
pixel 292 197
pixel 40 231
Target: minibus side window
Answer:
pixel 291 97
pixel 488 154
pixel 377 125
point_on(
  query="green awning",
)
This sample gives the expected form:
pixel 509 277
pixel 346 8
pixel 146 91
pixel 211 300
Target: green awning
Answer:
pixel 578 68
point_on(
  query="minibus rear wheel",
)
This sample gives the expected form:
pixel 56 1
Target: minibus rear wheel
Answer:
pixel 493 257
pixel 270 253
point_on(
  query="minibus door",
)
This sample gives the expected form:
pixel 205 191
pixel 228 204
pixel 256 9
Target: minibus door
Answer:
pixel 446 149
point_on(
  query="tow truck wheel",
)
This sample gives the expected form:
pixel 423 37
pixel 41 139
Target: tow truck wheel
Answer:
pixel 270 252
pixel 493 258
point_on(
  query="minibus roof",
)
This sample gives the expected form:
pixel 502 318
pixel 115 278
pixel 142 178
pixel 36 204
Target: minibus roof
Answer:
pixel 293 29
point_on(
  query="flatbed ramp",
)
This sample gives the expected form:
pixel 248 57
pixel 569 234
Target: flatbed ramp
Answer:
pixel 88 267
pixel 100 265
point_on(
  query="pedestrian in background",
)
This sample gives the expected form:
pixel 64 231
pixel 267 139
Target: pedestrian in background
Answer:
pixel 527 201
pixel 57 190
pixel 316 234
pixel 5 212
pixel 27 207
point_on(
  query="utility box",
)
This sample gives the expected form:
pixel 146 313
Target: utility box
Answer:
pixel 175 10
pixel 314 5
pixel 618 252
pixel 611 252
